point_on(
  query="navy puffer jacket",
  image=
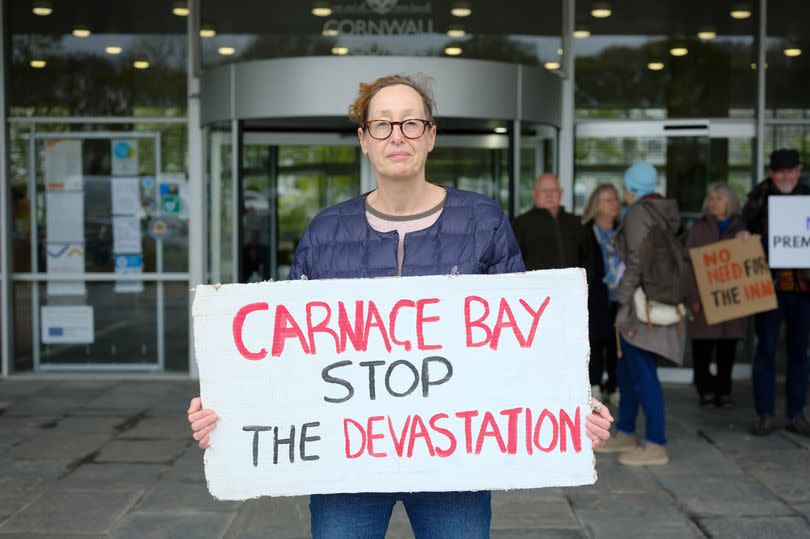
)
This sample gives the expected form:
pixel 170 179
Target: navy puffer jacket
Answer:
pixel 471 236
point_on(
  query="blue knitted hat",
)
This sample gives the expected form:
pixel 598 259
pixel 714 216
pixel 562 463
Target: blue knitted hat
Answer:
pixel 641 179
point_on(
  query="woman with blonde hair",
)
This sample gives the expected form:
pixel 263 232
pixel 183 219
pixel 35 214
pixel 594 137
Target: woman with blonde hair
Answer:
pixel 601 220
pixel 721 220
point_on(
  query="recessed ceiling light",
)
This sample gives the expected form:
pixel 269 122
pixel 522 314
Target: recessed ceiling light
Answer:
pixel 81 31
pixel 206 30
pixel 707 35
pixel 560 52
pixel 113 49
pixel 601 10
pixel 321 8
pixel 740 12
pixel 340 51
pixel 501 130
pixel 43 9
pixel 552 65
pixel 180 9
pixel 38 64
pixel 461 9
pixel 140 64
pixel 581 33
pixel 655 66
pixel 453 51
pixel 226 51
pixel 456 30
pixel 329 32
pixel 792 52
pixel 679 51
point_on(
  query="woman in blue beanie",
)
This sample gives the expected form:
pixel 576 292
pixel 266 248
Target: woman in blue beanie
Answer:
pixel 641 343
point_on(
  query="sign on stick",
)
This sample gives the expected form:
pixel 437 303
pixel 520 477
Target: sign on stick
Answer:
pixel 395 384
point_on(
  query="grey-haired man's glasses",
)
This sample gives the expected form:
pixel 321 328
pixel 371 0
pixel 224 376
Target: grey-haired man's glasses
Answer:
pixel 411 128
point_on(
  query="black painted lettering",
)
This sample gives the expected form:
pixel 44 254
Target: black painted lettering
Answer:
pixel 289 441
pixel 391 368
pixel 340 381
pixel 304 439
pixel 372 384
pixel 426 381
pixel 256 430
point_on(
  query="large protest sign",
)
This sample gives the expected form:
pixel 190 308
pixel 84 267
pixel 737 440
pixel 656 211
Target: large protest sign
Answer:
pixel 733 279
pixel 789 231
pixel 395 384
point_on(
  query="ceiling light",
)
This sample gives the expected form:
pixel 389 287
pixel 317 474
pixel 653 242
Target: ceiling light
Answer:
pixel 340 51
pixel 113 49
pixel 792 51
pixel 43 9
pixel 226 51
pixel 601 10
pixel 456 30
pixel 560 52
pixel 679 51
pixel 461 9
pixel 38 64
pixel 180 9
pixel 330 31
pixel 501 130
pixel 581 32
pixel 321 8
pixel 81 31
pixel 552 65
pixel 740 12
pixel 452 51
pixel 140 64
pixel 206 30
pixel 655 66
pixel 707 34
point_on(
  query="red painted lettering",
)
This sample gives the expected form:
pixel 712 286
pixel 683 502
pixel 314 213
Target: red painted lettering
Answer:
pixel 354 334
pixel 535 318
pixel 371 436
pixel 512 430
pixel 467 416
pixel 399 443
pixel 359 427
pixel 554 431
pixel 575 429
pixel 320 327
pixel 238 324
pixel 421 320
pixel 469 324
pixel 392 322
pixel 286 328
pixel 373 319
pixel 417 423
pixel 449 435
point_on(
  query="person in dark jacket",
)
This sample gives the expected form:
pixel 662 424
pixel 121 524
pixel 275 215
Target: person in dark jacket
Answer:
pixel 550 237
pixel 601 220
pixel 721 221
pixel 407 226
pixel 792 287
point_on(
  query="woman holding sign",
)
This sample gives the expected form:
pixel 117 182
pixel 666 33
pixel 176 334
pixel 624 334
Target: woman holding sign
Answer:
pixel 407 226
pixel 721 221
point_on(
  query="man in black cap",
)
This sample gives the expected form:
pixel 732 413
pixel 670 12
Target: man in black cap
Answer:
pixel 793 297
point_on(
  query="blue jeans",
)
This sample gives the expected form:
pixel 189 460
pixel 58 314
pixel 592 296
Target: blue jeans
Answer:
pixel 433 515
pixel 794 308
pixel 637 374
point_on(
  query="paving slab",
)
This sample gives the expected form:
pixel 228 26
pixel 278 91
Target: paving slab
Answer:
pixel 59 446
pixel 283 518
pixel 44 405
pixel 174 496
pixel 531 515
pixel 694 458
pixel 189 466
pixel 15 494
pixel 546 533
pixel 33 471
pixel 165 525
pixel 148 451
pixel 82 425
pixel 72 511
pixel 622 523
pixel 740 441
pixel 160 428
pixel 756 528
pixel 723 495
pixel 802 509
pixel 588 499
pixel 113 475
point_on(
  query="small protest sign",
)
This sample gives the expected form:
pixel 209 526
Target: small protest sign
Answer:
pixel 395 384
pixel 733 279
pixel 789 231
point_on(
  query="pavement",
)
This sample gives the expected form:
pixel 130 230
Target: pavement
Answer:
pixel 91 458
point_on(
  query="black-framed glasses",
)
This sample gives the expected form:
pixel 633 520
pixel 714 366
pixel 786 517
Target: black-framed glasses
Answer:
pixel 411 128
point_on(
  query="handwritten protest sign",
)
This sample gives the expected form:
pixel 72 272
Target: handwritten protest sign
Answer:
pixel 395 384
pixel 733 279
pixel 789 231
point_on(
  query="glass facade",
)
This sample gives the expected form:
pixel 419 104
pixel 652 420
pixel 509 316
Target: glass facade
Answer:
pixel 98 139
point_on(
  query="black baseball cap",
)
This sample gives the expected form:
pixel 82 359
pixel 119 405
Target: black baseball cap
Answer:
pixel 783 158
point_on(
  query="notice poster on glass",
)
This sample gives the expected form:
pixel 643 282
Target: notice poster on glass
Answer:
pixel 173 193
pixel 124 157
pixel 62 164
pixel 67 325
pixel 65 258
pixel 126 196
pixel 64 216
pixel 127 264
pixel 126 234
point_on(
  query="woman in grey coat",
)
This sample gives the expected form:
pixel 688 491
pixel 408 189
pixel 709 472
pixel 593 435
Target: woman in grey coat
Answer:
pixel 721 221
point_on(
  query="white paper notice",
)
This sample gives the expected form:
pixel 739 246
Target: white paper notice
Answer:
pixel 127 264
pixel 126 234
pixel 65 258
pixel 64 216
pixel 66 325
pixel 126 196
pixel 124 157
pixel 63 165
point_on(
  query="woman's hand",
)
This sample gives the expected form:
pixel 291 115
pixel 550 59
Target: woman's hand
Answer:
pixel 597 423
pixel 742 234
pixel 202 421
